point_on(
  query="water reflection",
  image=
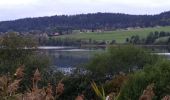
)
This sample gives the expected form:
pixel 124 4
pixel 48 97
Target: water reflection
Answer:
pixel 66 58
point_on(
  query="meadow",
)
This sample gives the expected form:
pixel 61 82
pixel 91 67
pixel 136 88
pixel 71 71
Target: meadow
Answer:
pixel 118 35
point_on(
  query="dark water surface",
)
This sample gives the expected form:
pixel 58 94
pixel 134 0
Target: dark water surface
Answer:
pixel 66 58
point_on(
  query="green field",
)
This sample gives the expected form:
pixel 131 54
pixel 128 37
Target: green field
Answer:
pixel 118 35
pixel 162 39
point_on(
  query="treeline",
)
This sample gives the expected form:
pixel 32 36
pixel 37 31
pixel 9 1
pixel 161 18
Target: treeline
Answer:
pixel 65 24
pixel 72 42
pixel 153 38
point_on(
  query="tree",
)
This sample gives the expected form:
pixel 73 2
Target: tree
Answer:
pixel 16 50
pixel 127 40
pixel 65 24
pixel 119 59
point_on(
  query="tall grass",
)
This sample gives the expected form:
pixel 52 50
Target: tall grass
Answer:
pixel 9 88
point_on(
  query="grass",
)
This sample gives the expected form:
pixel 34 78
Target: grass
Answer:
pixel 118 35
pixel 162 40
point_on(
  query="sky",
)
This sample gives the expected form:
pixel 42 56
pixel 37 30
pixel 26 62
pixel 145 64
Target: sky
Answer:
pixel 15 9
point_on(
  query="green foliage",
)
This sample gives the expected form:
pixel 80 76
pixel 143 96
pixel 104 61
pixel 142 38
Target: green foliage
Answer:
pixel 115 85
pixel 15 41
pixel 99 93
pixel 33 62
pixel 126 59
pixel 158 74
pixel 75 85
pixel 19 50
pixel 13 52
pixel 133 90
pixel 120 59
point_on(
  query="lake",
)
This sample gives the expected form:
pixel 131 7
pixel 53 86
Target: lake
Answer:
pixel 67 58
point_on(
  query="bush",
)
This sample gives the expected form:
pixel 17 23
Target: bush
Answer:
pixel 115 84
pixel 77 85
pixel 13 52
pixel 158 74
pixel 17 50
pixel 120 59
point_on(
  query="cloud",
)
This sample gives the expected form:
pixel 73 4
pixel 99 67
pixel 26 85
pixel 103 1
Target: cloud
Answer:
pixel 16 2
pixel 14 9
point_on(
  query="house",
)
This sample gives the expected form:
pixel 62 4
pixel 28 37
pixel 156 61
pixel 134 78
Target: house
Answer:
pixel 54 34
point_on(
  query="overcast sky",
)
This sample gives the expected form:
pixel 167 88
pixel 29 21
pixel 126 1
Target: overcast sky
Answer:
pixel 14 9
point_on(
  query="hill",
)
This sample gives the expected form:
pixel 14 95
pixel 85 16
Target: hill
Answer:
pixel 104 21
pixel 118 35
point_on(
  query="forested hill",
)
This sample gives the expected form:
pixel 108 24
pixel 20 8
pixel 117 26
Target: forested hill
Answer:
pixel 85 21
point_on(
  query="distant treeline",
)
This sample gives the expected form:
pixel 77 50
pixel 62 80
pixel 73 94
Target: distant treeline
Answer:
pixel 65 24
pixel 72 42
pixel 161 38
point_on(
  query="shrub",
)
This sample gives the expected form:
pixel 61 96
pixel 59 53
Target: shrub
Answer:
pixel 9 88
pixel 120 59
pixel 158 74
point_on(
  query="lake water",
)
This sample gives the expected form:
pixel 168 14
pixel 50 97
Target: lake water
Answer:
pixel 66 58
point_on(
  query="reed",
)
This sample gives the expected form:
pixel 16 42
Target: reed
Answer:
pixel 9 87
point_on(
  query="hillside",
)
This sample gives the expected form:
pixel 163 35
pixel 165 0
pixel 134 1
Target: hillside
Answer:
pixel 118 35
pixel 105 21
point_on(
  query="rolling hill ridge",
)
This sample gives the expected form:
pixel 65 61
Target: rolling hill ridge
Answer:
pixel 105 21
